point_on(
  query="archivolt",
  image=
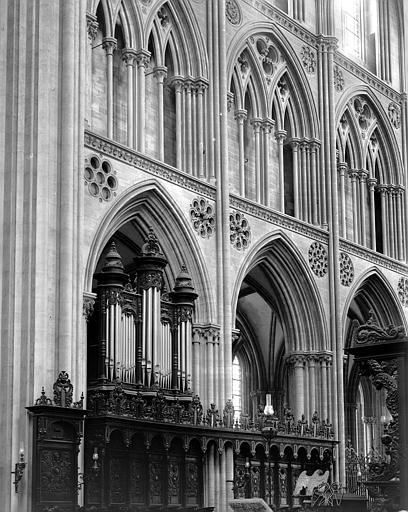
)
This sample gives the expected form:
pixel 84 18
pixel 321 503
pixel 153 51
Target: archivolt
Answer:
pixel 301 309
pixel 151 205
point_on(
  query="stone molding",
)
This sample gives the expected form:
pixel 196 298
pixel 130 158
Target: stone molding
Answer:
pixel 300 359
pixel 132 157
pixel 367 77
pixel 172 175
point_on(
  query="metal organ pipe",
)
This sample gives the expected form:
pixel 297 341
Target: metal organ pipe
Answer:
pixel 142 339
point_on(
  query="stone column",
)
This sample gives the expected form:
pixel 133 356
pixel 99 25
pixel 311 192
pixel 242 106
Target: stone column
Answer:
pixel 197 336
pixel 142 59
pixel 92 29
pixel 400 217
pixel 342 168
pixel 353 177
pixel 201 87
pixel 241 116
pixel 256 123
pixel 109 45
pixel 314 145
pixel 362 175
pixel 371 188
pixel 312 383
pixel 384 218
pixel 390 210
pixel 280 136
pixel 295 162
pixel 177 83
pixel 160 73
pixel 298 363
pixel 394 201
pixel 188 130
pixel 128 56
pixel 267 125
pixel 304 199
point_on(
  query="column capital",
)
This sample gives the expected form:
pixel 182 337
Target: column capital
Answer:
pixel 241 114
pixel 371 182
pixel 363 175
pixel 201 84
pixel 268 124
pixel 109 45
pixel 383 189
pixel 295 142
pixel 256 122
pixel 304 143
pixel 342 168
pixel 280 135
pixel 91 25
pixel 188 83
pixel 128 56
pixel 314 145
pixel 297 360
pixel 177 82
pixel 329 43
pixel 160 73
pixel 142 58
pixel 353 173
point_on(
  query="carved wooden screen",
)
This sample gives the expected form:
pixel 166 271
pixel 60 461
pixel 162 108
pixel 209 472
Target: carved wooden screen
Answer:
pixel 55 469
pixel 144 478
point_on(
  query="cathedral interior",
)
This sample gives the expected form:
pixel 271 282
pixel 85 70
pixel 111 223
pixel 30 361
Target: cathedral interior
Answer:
pixel 204 225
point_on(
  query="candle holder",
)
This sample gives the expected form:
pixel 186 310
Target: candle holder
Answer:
pixel 19 470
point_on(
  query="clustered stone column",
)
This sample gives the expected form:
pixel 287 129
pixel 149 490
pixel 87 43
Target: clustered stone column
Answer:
pixel 190 99
pixel 310 383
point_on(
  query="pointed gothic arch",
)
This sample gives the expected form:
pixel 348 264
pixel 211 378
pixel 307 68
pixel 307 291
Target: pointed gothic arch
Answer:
pixel 147 203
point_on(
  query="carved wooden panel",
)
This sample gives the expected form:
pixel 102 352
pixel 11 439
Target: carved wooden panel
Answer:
pixel 118 477
pixel 192 490
pixel 56 472
pixel 174 474
pixel 137 473
pixel 156 469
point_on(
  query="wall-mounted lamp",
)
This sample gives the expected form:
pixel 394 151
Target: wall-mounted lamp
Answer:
pixel 19 469
pixel 82 478
pixel 95 458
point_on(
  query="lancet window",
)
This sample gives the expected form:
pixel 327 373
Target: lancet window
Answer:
pixel 141 334
pixel 370 189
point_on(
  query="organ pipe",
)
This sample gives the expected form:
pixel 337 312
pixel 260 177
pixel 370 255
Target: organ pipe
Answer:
pixel 144 336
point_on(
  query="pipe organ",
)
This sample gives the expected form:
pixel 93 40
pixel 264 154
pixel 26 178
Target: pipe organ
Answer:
pixel 142 334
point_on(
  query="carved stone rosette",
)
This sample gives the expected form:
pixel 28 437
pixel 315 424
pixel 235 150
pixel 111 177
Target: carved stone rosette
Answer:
pixel 308 59
pixel 318 259
pixel 202 217
pixel 240 231
pixel 346 269
pixel 338 79
pixel 394 114
pixel 233 12
pixel 403 291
